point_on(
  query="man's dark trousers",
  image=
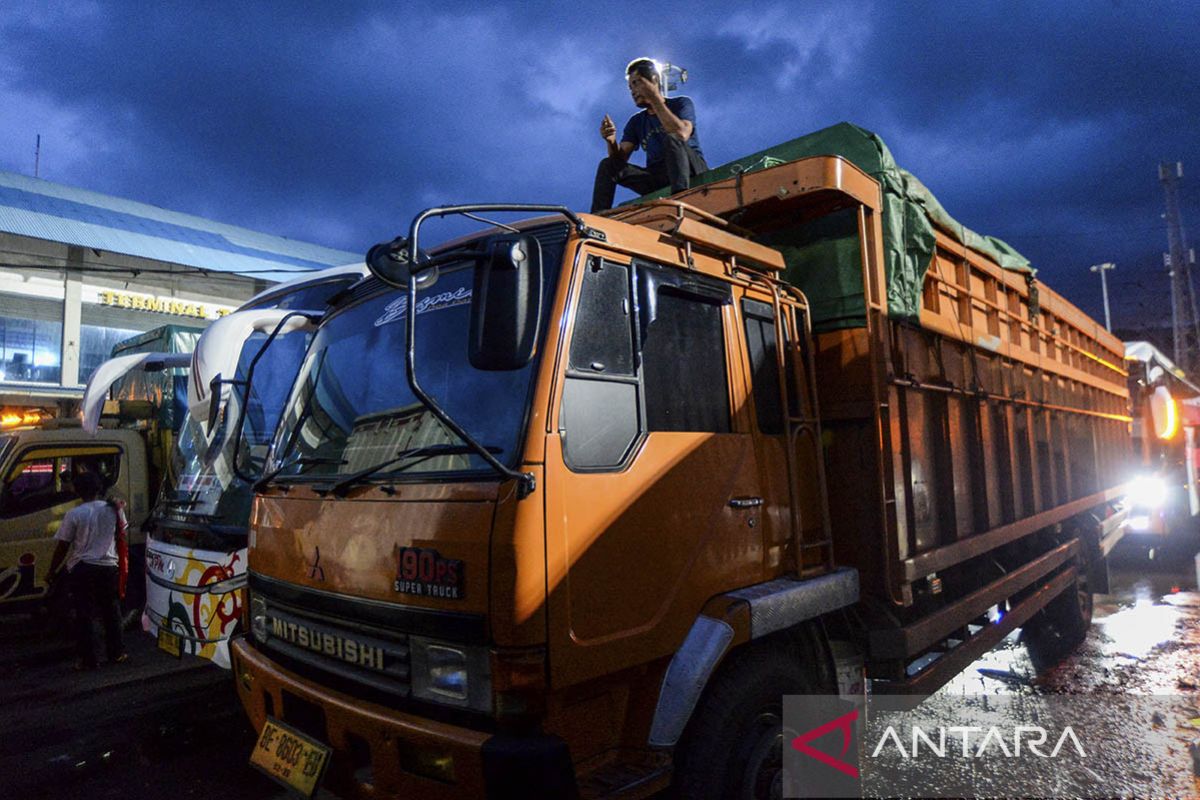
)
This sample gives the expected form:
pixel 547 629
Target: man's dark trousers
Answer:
pixel 95 591
pixel 679 165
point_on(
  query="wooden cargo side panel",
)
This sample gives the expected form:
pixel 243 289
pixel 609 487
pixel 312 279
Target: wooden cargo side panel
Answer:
pixel 995 415
pixel 852 451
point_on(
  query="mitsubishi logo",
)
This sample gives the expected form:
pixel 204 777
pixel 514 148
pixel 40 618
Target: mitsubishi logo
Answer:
pixel 316 571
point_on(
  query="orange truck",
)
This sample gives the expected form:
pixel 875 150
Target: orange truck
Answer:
pixel 621 482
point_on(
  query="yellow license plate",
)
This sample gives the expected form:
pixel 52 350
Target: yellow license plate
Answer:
pixel 170 642
pixel 290 757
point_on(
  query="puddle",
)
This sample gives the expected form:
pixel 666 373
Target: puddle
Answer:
pixel 1136 630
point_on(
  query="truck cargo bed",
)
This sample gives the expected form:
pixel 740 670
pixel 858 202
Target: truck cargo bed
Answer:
pixel 951 438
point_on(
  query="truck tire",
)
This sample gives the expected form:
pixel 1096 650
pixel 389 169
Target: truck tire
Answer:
pixel 732 747
pixel 1051 634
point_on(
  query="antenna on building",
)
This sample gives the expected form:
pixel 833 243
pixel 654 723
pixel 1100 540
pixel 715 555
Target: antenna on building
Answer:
pixel 1185 326
pixel 37 156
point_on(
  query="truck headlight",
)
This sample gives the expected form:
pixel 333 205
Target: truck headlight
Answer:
pixel 450 674
pixel 260 626
pixel 1148 491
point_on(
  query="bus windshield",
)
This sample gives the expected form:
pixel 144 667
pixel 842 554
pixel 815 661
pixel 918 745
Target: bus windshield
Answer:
pixel 208 486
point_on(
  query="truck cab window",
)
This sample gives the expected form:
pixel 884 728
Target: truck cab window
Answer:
pixel 600 418
pixel 679 382
pixel 603 340
pixel 683 364
pixel 764 364
pixel 39 483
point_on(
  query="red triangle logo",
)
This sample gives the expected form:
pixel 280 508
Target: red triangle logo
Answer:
pixel 845 724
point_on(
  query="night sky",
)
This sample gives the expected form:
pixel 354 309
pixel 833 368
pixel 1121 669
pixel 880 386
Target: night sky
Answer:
pixel 1040 123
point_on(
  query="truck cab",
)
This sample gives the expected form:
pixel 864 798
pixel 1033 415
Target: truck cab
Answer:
pixel 37 471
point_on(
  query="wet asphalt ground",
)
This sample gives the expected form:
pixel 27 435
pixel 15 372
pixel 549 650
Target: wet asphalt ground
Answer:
pixel 1135 678
pixel 161 727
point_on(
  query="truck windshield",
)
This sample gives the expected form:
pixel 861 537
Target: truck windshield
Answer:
pixel 352 407
pixel 207 484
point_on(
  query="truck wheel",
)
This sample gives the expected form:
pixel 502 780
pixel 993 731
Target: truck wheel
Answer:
pixel 1059 628
pixel 733 745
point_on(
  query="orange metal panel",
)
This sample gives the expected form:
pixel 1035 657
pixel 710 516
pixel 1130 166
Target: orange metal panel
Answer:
pixel 784 181
pixel 358 539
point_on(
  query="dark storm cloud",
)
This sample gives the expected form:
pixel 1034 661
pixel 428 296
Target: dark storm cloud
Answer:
pixel 1039 123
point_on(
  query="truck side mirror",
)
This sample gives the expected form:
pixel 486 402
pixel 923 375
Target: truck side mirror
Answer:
pixel 506 304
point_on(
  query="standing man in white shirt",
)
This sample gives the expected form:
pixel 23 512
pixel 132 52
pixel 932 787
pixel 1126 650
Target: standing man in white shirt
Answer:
pixel 89 533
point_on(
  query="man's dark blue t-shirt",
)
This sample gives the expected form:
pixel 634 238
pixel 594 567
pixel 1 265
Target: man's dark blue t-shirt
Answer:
pixel 645 129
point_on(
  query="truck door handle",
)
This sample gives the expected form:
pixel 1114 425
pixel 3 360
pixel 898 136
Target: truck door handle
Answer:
pixel 745 502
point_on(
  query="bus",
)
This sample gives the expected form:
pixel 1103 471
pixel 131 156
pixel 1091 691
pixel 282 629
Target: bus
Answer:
pixel 196 549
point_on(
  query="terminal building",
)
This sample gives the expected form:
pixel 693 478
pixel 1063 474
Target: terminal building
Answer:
pixel 81 271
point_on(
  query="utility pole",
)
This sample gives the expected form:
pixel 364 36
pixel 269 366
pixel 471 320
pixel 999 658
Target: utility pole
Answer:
pixel 1103 268
pixel 1184 323
pixel 37 156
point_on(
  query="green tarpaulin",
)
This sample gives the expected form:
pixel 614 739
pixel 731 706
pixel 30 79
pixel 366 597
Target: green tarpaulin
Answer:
pixel 910 214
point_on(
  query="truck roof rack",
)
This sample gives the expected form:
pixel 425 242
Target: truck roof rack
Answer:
pixel 701 229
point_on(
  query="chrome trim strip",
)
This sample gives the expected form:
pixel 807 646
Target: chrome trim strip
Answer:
pixel 785 602
pixel 234 583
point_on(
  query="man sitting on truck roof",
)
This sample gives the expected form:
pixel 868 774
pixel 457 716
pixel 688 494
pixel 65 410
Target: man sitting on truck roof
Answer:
pixel 665 128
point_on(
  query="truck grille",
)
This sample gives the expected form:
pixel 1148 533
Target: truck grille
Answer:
pixel 350 652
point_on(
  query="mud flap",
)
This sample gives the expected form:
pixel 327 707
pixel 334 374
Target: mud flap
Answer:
pixel 514 765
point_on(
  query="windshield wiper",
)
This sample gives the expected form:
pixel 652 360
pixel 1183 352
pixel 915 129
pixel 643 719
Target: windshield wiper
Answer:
pixel 196 515
pixel 418 454
pixel 305 462
pixel 312 461
pixel 180 501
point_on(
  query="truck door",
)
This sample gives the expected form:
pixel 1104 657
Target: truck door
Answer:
pixel 652 491
pixel 37 490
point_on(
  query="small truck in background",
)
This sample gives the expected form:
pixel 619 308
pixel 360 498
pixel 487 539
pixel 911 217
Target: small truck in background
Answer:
pixel 134 433
pixel 569 505
pixel 1164 494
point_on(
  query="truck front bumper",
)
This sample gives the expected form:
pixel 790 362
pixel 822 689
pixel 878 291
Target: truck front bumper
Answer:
pixel 382 752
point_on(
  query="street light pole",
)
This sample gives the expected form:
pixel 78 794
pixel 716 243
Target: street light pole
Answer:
pixel 1103 268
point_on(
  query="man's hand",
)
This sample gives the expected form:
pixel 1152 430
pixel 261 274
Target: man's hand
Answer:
pixel 644 89
pixel 608 130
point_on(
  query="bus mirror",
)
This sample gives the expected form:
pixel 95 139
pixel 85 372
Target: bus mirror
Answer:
pixel 388 261
pixel 506 304
pixel 214 403
pixel 214 399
